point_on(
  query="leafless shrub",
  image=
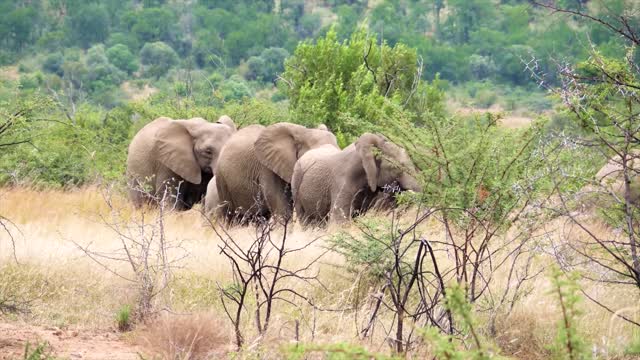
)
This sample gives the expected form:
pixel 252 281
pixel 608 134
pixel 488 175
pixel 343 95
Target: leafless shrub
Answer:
pixel 9 228
pixel 411 273
pixel 188 337
pixel 262 276
pixel 145 258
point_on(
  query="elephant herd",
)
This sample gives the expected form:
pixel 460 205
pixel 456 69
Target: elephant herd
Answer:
pixel 263 171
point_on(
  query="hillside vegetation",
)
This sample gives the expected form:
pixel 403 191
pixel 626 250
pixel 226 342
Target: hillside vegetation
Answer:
pixel 219 51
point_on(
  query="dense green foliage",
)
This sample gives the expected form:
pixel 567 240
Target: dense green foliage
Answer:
pixel 468 43
pixel 345 84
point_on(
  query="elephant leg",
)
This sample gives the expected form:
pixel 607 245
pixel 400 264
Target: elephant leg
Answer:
pixel 141 190
pixel 341 209
pixel 348 203
pixel 224 208
pixel 170 191
pixel 192 194
pixel 276 195
pixel 305 218
pixel 136 195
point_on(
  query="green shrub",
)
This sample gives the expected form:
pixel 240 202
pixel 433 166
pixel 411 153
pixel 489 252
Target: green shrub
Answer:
pixel 568 344
pixel 61 152
pixel 331 82
pixel 31 81
pixel 234 89
pixel 484 98
pixel 41 351
pixel 158 58
pixel 451 347
pixel 633 348
pixel 53 63
pixel 120 56
pixel 123 318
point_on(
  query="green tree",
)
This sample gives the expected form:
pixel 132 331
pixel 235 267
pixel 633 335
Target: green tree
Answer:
pixel 20 25
pixel 89 24
pixel 120 56
pixel 103 75
pixel 481 67
pixel 126 39
pixel 271 62
pixel 158 58
pixel 150 24
pixel 256 67
pixel 511 64
pixel 344 84
pixel 348 17
pixel 467 16
pixel 53 63
pixel 309 25
pixel 234 89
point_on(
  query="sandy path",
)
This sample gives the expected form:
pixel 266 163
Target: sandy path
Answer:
pixel 68 344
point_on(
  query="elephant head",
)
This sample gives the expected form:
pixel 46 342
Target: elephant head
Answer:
pixel 281 145
pixel 386 163
pixel 191 147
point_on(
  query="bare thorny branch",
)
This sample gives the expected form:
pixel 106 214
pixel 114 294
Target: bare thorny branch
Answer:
pixel 260 270
pixel 149 258
pixel 605 101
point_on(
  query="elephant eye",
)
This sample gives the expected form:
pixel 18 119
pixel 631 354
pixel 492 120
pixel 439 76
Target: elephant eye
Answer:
pixel 208 151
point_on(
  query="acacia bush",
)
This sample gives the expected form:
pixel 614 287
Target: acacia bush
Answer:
pixel 343 84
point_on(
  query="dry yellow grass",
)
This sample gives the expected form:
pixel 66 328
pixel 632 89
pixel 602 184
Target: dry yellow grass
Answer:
pixel 186 337
pixel 77 292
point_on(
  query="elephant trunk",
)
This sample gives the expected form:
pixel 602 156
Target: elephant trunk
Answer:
pixel 211 167
pixel 408 182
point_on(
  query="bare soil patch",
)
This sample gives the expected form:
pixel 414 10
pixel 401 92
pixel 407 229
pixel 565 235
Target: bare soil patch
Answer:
pixel 10 73
pixel 136 94
pixel 509 120
pixel 68 344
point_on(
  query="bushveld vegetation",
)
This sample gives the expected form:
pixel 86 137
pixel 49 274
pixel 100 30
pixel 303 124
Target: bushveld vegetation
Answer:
pixel 514 249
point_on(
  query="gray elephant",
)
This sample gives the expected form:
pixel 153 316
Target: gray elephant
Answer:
pixel 338 184
pixel 255 167
pixel 176 157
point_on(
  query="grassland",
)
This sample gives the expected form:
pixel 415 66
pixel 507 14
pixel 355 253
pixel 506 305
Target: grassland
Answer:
pixel 69 292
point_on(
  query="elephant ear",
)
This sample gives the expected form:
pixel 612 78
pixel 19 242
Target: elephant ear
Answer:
pixel 364 146
pixel 277 149
pixel 226 120
pixel 175 150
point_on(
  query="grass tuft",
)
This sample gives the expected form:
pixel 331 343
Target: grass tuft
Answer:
pixel 123 318
pixel 41 351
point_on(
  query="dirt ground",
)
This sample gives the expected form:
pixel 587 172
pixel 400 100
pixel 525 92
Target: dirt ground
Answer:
pixel 67 344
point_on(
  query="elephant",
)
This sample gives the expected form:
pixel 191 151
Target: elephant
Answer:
pixel 211 199
pixel 333 184
pixel 255 167
pixel 175 158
